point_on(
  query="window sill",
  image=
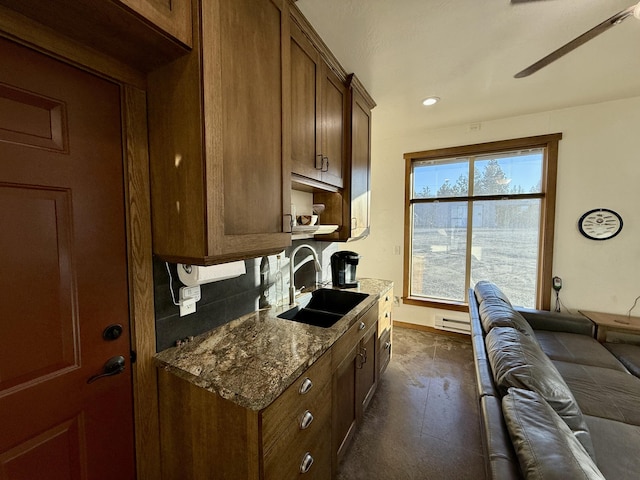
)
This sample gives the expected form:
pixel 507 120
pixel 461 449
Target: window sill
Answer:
pixel 440 304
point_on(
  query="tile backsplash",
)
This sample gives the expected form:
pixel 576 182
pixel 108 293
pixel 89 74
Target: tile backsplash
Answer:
pixel 227 300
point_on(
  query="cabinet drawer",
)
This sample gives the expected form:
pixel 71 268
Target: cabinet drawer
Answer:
pixel 384 311
pixel 384 349
pixel 352 336
pixel 287 410
pixel 286 460
pixel 384 321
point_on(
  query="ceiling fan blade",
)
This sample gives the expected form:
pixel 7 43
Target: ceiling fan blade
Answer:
pixel 576 42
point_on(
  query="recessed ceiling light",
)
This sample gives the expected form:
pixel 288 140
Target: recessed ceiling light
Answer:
pixel 427 102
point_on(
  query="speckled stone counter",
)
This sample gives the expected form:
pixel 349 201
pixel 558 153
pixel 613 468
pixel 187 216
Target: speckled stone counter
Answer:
pixel 253 359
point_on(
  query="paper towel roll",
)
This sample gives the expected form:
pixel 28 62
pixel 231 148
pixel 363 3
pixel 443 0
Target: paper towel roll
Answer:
pixel 192 275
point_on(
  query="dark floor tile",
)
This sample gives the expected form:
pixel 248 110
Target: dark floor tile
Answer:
pixel 423 421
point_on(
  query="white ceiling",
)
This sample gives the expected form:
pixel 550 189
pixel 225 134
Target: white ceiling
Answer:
pixel 467 51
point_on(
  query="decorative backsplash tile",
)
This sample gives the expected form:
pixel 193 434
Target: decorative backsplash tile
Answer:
pixel 226 300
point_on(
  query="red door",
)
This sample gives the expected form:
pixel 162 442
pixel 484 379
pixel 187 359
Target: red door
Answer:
pixel 63 274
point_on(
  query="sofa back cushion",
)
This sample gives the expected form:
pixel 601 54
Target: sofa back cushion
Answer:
pixel 485 290
pixel 518 361
pixel 496 313
pixel 545 446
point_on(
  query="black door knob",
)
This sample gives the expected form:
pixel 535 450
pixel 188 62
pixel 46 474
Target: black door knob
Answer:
pixel 113 366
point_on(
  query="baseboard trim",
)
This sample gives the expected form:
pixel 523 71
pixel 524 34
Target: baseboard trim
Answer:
pixel 425 328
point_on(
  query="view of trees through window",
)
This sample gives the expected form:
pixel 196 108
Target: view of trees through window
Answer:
pixel 476 218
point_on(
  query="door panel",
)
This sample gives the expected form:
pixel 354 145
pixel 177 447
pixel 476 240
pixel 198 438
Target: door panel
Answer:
pixel 333 123
pixel 63 252
pixel 49 248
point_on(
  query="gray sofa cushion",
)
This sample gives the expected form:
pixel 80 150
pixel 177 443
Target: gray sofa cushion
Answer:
pixel 518 361
pixel 495 313
pixel 616 445
pixel 502 460
pixel 603 392
pixel 485 290
pixel 575 348
pixel 545 446
pixel 628 354
pixel 557 322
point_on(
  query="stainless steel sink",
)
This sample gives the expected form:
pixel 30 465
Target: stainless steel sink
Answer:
pixel 324 307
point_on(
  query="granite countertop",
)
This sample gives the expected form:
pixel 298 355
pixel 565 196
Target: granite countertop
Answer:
pixel 253 359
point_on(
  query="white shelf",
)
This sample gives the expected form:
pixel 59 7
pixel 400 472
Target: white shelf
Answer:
pixel 308 231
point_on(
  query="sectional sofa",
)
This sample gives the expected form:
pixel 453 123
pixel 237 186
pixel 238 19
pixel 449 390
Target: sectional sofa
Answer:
pixel 554 402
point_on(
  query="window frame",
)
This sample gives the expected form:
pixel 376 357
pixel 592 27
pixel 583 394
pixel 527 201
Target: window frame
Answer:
pixel 547 211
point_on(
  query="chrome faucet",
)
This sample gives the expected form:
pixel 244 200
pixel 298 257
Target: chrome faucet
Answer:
pixel 293 270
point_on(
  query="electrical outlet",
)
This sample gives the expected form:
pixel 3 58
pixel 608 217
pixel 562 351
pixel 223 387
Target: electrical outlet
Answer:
pixel 187 307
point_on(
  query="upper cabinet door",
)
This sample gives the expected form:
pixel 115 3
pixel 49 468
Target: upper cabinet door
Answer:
pixel 306 119
pixel 349 208
pixel 219 123
pixel 334 125
pixel 360 177
pixel 171 16
pixel 318 114
pixel 144 34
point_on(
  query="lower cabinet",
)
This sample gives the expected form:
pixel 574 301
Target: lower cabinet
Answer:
pixel 296 428
pixel 204 436
pixel 385 329
pixel 355 376
pixel 305 431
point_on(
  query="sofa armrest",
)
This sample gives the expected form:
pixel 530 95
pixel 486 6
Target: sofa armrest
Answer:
pixel 557 322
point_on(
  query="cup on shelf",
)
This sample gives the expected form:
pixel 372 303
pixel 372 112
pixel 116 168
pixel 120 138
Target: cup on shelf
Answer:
pixel 307 220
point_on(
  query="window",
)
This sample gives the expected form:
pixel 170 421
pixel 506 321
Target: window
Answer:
pixel 480 212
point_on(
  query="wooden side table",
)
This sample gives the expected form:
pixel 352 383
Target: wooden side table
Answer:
pixel 611 322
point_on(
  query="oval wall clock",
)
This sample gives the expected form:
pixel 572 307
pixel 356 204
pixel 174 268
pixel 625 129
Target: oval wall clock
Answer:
pixel 600 224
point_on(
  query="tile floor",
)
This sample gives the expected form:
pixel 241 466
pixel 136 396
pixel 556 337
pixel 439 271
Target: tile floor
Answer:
pixel 423 422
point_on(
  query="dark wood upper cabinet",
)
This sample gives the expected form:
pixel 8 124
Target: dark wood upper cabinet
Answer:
pixel 144 34
pixel 219 133
pixel 318 114
pixel 350 207
pixel 171 16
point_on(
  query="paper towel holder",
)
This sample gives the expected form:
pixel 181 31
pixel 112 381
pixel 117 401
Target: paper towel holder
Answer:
pixel 192 275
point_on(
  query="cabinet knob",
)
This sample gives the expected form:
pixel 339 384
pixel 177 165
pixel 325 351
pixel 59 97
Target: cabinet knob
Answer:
pixel 361 326
pixel 305 386
pixel 387 345
pixel 307 461
pixel 386 299
pixel 386 314
pixel 306 420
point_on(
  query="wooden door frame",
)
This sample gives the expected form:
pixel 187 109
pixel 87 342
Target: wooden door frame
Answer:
pixel 135 157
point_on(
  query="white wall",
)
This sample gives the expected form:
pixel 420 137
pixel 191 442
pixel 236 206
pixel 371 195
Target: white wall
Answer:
pixel 599 167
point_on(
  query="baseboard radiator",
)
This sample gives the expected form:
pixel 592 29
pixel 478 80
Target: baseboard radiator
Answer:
pixel 453 324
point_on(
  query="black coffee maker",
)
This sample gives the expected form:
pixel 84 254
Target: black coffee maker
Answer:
pixel 343 269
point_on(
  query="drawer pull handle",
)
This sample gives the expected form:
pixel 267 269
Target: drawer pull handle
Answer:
pixel 307 461
pixel 306 420
pixel 387 345
pixel 362 325
pixel 305 386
